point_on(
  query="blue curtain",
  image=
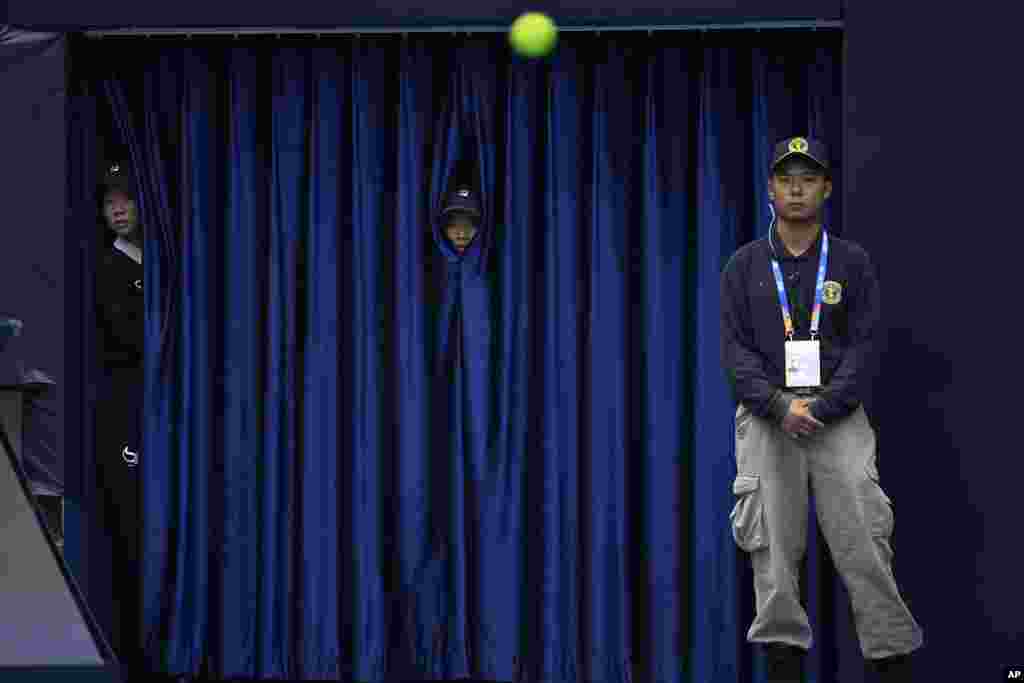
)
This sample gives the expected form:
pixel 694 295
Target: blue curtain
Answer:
pixel 369 457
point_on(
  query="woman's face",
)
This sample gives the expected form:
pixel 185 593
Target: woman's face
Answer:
pixel 120 213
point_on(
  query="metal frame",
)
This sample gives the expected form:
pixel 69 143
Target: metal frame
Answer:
pixel 279 31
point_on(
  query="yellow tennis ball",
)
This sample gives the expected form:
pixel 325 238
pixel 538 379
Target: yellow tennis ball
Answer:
pixel 533 34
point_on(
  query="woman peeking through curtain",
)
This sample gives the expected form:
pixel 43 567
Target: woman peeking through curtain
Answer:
pixel 461 320
pixel 120 317
pixel 461 218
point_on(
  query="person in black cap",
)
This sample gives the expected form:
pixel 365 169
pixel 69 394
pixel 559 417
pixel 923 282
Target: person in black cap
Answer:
pixel 120 316
pixel 461 218
pixel 800 309
pixel 452 271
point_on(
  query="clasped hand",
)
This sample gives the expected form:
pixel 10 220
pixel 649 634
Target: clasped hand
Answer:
pixel 799 422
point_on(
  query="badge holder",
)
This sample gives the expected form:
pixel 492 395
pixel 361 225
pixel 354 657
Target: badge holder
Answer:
pixel 803 364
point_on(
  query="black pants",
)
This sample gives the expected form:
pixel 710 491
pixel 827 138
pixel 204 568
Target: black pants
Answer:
pixel 118 444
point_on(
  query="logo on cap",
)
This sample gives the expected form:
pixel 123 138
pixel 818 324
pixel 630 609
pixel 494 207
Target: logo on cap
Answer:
pixel 463 193
pixel 798 145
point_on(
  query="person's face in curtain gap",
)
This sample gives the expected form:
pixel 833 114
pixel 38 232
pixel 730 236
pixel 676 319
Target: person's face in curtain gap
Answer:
pixel 120 212
pixel 460 229
pixel 799 188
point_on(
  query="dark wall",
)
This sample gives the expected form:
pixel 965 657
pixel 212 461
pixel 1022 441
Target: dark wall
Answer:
pixel 32 176
pixel 112 13
pixel 931 171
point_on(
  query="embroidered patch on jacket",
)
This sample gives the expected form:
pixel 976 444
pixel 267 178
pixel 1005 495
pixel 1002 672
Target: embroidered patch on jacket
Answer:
pixel 833 292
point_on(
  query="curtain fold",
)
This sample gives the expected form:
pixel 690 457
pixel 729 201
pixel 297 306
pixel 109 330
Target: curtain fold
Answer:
pixel 607 234
pixel 320 545
pixel 555 486
pixel 365 287
pixel 416 564
pixel 243 263
pixel 369 457
pixel 720 580
pixel 662 327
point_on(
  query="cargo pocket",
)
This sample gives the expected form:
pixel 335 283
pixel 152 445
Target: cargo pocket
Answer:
pixel 747 516
pixel 743 419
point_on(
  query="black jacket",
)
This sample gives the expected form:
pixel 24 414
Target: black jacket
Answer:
pixel 120 310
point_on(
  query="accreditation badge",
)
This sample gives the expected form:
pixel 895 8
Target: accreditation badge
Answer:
pixel 803 363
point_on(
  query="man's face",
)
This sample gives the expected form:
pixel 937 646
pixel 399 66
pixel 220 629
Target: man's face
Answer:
pixel 120 212
pixel 799 188
pixel 460 229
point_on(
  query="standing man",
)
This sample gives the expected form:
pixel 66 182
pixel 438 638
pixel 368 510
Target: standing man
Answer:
pixel 120 316
pixel 799 314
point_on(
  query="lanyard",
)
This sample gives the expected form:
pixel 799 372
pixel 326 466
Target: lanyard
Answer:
pixel 787 319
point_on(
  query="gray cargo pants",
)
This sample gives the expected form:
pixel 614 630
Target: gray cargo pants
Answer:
pixel 769 522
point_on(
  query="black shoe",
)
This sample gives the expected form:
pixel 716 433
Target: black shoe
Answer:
pixel 894 669
pixel 785 663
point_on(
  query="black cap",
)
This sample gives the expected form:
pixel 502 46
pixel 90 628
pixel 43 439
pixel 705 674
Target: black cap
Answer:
pixel 803 147
pixel 117 177
pixel 462 198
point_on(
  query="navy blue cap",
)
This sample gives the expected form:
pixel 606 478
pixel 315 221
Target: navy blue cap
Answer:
pixel 804 147
pixel 117 177
pixel 462 198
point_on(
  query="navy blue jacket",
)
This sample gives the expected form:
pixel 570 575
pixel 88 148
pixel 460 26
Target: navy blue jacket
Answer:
pixel 753 334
